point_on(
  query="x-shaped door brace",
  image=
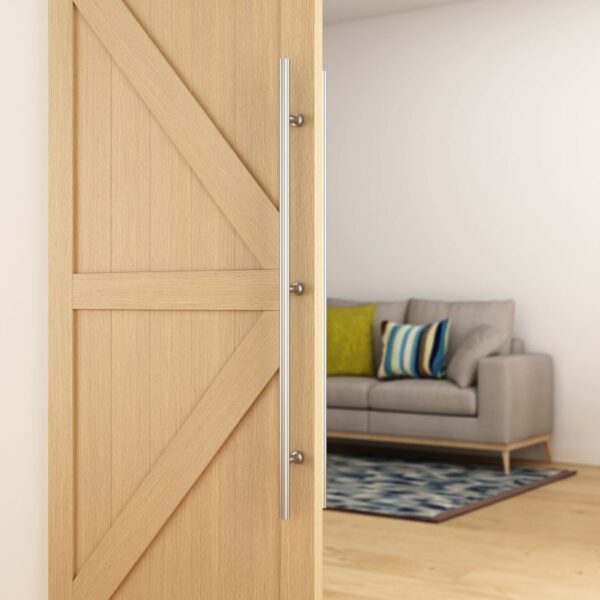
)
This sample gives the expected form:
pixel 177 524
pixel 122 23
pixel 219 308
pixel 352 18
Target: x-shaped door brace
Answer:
pixel 191 130
pixel 254 362
pixel 218 412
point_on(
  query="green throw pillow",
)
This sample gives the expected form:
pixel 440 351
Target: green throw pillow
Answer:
pixel 350 340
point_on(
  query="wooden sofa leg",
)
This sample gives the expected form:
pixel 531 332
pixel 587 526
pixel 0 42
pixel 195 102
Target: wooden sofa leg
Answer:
pixel 548 451
pixel 506 461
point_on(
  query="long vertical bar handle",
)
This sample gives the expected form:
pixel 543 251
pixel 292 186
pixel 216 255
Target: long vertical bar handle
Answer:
pixel 284 294
pixel 324 283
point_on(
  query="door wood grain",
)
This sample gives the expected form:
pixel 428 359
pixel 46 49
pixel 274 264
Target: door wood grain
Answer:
pixel 164 300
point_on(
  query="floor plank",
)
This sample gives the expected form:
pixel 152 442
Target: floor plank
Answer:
pixel 542 544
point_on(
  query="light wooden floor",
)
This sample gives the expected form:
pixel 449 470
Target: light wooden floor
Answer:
pixel 542 545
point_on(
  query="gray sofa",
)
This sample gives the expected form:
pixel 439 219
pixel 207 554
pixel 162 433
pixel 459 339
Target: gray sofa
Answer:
pixel 510 406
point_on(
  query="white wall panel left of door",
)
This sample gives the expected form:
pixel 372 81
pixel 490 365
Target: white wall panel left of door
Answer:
pixel 23 293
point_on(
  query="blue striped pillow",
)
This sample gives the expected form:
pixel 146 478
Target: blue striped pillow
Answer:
pixel 414 350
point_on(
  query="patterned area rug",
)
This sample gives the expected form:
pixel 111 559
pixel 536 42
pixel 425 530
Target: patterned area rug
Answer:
pixel 423 490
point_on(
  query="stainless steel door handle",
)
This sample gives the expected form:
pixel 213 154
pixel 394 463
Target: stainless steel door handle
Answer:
pixel 285 289
pixel 324 284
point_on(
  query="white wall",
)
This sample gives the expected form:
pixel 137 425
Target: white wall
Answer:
pixel 464 163
pixel 23 215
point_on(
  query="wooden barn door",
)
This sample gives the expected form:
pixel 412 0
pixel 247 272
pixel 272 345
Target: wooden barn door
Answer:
pixel 164 300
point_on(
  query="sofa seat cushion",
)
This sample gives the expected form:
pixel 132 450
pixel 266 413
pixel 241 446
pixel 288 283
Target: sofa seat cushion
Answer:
pixel 347 391
pixel 425 396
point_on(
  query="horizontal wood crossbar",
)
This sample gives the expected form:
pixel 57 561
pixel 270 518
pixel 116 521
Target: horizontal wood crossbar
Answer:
pixel 185 290
pixel 222 407
pixel 224 175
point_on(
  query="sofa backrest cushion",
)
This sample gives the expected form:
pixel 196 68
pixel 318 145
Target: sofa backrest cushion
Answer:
pixel 483 341
pixel 384 311
pixel 465 317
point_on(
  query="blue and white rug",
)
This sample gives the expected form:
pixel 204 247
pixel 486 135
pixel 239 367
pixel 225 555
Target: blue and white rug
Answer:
pixel 421 489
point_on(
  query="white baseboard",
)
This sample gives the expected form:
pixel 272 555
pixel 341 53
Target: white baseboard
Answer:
pixel 582 455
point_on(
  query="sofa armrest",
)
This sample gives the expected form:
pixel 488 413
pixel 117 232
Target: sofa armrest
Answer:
pixel 515 396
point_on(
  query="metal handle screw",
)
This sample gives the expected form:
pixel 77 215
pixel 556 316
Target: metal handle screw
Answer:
pixel 297 457
pixel 297 288
pixel 297 120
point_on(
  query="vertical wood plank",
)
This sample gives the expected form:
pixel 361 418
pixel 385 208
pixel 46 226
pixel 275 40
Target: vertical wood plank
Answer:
pixel 301 41
pixel 171 357
pixel 256 134
pixel 93 424
pixel 171 398
pixel 130 426
pixel 212 539
pixel 257 80
pixel 60 314
pixel 257 30
pixel 170 175
pixel 130 178
pixel 213 82
pixel 130 329
pixel 314 419
pixel 93 222
pixel 93 121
